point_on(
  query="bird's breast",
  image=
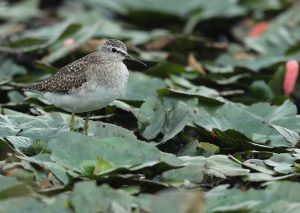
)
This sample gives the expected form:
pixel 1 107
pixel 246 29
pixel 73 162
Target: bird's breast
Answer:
pixel 110 75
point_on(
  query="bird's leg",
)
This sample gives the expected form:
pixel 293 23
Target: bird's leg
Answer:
pixel 72 122
pixel 86 123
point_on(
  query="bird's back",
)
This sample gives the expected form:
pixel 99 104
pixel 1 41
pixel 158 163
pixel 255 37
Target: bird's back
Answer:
pixel 67 78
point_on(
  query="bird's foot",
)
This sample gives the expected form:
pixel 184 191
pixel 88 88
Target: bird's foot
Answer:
pixel 72 122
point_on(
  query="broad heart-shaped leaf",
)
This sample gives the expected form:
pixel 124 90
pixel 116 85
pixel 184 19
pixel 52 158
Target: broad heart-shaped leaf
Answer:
pixel 73 151
pixel 253 121
pixel 178 201
pixel 167 115
pixel 283 32
pixel 86 31
pixel 21 11
pixel 290 136
pixel 22 129
pixel 282 163
pixel 89 198
pixel 37 39
pixel 203 93
pixel 196 9
pixel 11 187
pixel 199 167
pixel 254 62
pixel 9 68
pixel 44 161
pixel 277 197
pixel 181 86
pixel 107 130
pixel 262 5
pixel 141 86
pixel 30 204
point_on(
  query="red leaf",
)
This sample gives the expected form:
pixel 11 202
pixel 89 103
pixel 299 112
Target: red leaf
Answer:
pixel 259 29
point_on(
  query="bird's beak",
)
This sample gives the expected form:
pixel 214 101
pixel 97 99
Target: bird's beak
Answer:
pixel 134 59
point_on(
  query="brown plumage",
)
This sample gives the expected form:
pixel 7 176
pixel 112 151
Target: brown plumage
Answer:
pixel 71 76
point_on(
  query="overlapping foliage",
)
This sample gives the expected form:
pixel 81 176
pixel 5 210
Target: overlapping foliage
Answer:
pixel 205 128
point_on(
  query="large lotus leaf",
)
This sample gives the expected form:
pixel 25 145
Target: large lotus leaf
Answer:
pixel 22 129
pixel 11 187
pixel 87 197
pixel 209 9
pixel 258 5
pixel 88 26
pixel 30 204
pixel 242 59
pixel 178 202
pixel 199 167
pixel 283 32
pixel 253 121
pixel 166 115
pixel 273 45
pixel 78 152
pixel 222 199
pixel 282 163
pixel 37 39
pixel 107 130
pixel 9 69
pixel 20 11
pixel 141 86
pixel 44 161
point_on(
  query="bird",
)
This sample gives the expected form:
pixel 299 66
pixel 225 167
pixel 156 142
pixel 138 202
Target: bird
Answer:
pixel 89 83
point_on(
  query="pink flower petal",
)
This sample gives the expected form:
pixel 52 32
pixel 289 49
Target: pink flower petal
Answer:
pixel 259 29
pixel 68 42
pixel 290 77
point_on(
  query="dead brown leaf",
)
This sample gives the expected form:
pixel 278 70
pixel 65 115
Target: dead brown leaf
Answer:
pixel 243 55
pixel 92 44
pixel 192 62
pixel 160 43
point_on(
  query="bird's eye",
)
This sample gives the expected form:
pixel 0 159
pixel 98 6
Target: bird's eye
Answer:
pixel 113 49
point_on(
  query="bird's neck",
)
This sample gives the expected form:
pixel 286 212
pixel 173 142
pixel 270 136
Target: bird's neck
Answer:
pixel 109 75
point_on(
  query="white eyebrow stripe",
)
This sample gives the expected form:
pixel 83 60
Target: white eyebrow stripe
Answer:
pixel 119 50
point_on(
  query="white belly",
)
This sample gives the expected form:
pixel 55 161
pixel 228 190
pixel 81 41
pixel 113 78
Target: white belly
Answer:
pixel 85 100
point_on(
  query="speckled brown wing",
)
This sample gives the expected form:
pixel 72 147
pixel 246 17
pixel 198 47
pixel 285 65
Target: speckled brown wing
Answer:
pixel 69 77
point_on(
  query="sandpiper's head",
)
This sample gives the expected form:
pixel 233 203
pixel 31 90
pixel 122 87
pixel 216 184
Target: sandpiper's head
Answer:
pixel 115 50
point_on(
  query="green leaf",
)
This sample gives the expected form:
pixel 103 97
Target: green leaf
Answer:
pixel 72 149
pixel 101 166
pixel 22 129
pixel 178 201
pixel 89 198
pixel 20 11
pixel 252 121
pixel 79 37
pixel 281 163
pixel 29 204
pixel 207 149
pixel 290 136
pixel 166 115
pixel 279 36
pixel 141 86
pixel 222 199
pixel 9 69
pixel 198 168
pixel 260 90
pixel 107 130
pixel 11 187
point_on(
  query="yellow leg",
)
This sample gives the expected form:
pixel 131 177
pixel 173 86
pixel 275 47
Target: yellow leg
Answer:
pixel 86 123
pixel 72 122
